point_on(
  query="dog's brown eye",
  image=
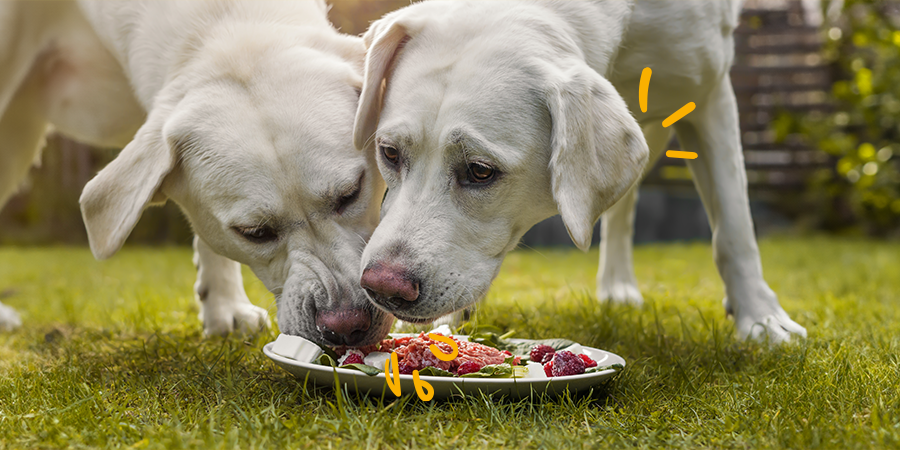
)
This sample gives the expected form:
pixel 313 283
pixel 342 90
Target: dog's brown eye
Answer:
pixel 390 153
pixel 257 235
pixel 480 173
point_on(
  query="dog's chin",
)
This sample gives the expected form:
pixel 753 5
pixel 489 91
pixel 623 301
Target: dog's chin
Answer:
pixel 415 320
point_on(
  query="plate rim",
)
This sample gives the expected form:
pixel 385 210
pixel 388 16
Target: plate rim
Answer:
pixel 267 350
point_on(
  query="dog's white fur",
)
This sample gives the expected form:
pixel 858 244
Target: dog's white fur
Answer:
pixel 240 112
pixel 547 93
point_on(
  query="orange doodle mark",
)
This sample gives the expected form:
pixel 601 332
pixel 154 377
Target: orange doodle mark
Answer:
pixel 391 365
pixel 682 155
pixel 678 115
pixel 643 89
pixel 423 389
pixel 437 351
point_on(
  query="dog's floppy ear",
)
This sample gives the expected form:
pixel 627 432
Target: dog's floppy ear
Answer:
pixel 597 148
pixel 112 202
pixel 383 40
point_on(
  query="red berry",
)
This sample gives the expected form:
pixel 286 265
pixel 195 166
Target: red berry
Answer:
pixel 547 357
pixel 468 367
pixel 538 352
pixel 353 358
pixel 406 369
pixel 588 362
pixel 566 363
pixel 548 368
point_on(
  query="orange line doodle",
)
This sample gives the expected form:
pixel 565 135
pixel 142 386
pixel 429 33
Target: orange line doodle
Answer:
pixel 423 389
pixel 681 155
pixel 437 351
pixel 678 115
pixel 391 365
pixel 644 87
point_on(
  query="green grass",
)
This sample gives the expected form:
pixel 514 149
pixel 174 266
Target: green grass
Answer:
pixel 111 355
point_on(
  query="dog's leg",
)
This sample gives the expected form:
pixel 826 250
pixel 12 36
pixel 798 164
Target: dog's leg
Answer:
pixel 22 131
pixel 713 132
pixel 22 128
pixel 23 33
pixel 224 306
pixel 615 279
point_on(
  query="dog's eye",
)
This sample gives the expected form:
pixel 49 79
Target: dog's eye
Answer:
pixel 257 235
pixel 481 173
pixel 391 154
pixel 348 199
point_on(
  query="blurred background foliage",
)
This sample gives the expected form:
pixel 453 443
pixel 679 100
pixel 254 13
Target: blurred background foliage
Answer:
pixel 862 191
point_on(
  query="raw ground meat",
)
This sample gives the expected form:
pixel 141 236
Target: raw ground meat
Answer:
pixel 414 353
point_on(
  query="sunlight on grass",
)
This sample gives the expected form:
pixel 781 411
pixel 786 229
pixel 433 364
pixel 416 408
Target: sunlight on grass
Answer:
pixel 112 355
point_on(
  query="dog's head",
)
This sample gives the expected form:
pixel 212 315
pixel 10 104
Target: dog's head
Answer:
pixel 253 140
pixel 481 130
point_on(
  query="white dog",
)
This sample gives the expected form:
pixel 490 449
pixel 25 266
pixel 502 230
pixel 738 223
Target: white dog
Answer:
pixel 240 112
pixel 488 117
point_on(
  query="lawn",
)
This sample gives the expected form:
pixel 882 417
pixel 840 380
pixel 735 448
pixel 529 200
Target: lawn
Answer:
pixel 111 355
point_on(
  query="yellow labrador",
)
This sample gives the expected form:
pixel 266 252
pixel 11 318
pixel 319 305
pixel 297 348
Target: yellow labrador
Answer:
pixel 488 117
pixel 240 112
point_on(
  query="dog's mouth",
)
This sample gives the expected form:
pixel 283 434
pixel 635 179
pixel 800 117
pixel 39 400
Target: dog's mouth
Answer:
pixel 415 320
pixel 391 306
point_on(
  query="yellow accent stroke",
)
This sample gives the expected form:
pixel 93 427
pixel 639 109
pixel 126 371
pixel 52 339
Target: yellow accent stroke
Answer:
pixel 437 351
pixel 644 88
pixel 394 383
pixel 681 155
pixel 423 388
pixel 678 115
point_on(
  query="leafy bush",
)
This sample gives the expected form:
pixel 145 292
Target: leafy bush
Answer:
pixel 862 134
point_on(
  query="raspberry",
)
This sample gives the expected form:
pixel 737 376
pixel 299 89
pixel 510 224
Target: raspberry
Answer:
pixel 538 352
pixel 353 358
pixel 468 367
pixel 406 369
pixel 547 357
pixel 566 363
pixel 548 368
pixel 588 362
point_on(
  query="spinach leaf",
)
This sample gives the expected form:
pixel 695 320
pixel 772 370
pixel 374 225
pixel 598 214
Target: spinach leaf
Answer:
pixel 325 360
pixel 432 371
pixel 491 371
pixel 617 367
pixel 366 369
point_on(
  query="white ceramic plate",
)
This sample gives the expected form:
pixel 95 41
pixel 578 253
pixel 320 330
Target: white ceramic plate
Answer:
pixel 445 387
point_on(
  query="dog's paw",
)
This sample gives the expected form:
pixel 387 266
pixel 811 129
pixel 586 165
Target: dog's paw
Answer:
pixel 241 317
pixel 9 318
pixel 623 292
pixel 764 321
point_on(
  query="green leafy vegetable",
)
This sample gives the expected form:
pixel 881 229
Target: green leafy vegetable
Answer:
pixel 617 367
pixel 432 371
pixel 330 352
pixel 491 337
pixel 366 369
pixel 325 360
pixel 491 371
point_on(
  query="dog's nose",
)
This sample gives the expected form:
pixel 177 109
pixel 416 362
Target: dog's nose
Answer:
pixel 390 285
pixel 344 326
